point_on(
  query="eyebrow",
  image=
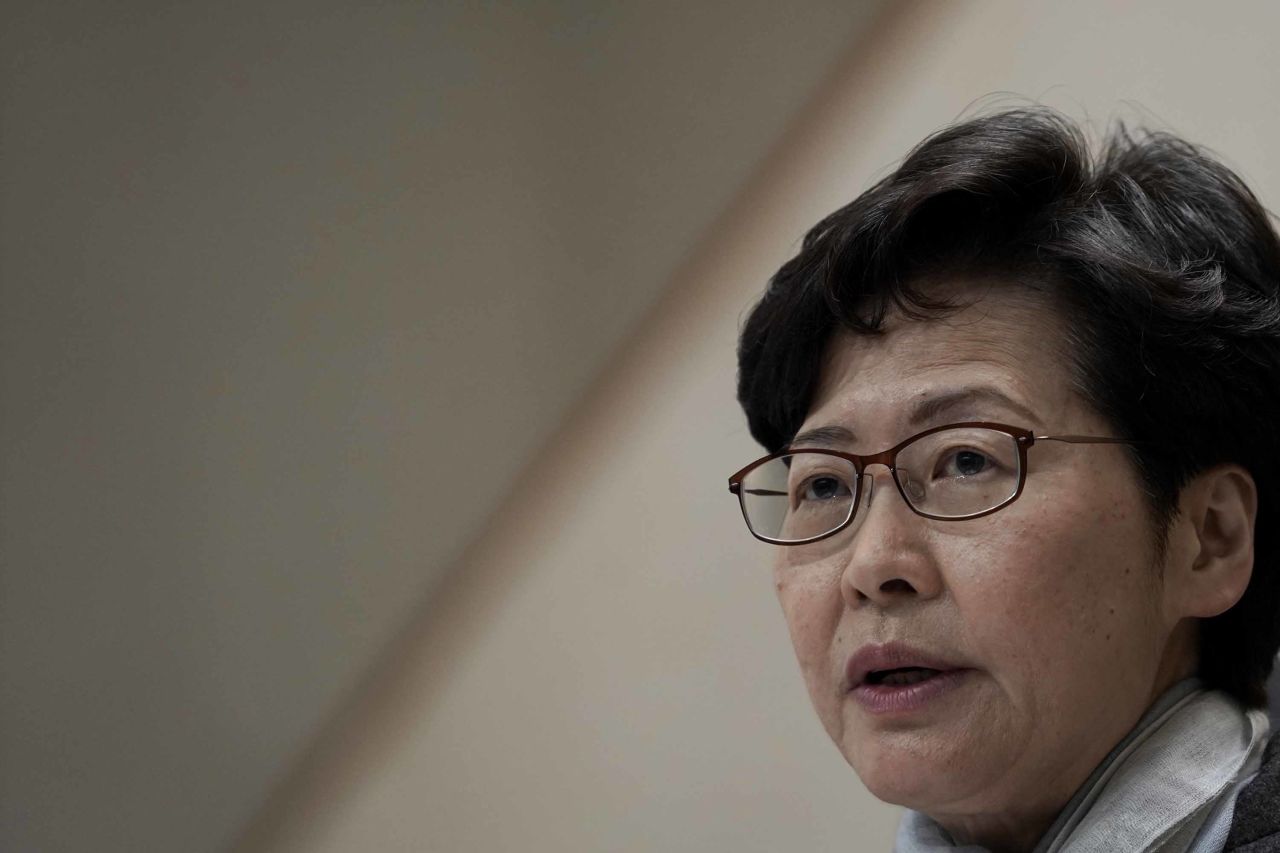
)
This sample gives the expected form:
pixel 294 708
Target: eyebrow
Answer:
pixel 826 436
pixel 949 401
pixel 928 410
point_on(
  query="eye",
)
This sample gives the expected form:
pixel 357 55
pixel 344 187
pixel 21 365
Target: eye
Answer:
pixel 963 462
pixel 969 462
pixel 823 487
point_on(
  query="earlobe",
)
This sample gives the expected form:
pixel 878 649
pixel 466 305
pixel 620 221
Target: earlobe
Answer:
pixel 1221 507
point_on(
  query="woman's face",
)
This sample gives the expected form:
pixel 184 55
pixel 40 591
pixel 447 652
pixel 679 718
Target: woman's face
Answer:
pixel 1052 609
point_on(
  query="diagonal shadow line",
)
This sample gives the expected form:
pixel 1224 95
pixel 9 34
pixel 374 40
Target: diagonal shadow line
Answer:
pixel 400 688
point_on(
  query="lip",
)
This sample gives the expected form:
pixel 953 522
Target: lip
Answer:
pixel 876 656
pixel 892 699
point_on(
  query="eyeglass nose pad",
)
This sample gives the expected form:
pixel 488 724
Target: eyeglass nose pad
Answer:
pixel 871 482
pixel 871 485
pixel 909 487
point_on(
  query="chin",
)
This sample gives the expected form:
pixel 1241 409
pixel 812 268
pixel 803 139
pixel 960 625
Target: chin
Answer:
pixel 910 790
pixel 910 778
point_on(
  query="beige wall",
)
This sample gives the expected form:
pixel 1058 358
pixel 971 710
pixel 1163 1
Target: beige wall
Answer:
pixel 291 292
pixel 607 670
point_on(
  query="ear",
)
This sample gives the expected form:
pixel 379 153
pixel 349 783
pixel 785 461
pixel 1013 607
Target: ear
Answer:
pixel 1210 556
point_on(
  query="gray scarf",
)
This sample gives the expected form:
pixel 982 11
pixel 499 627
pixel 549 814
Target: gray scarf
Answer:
pixel 1154 792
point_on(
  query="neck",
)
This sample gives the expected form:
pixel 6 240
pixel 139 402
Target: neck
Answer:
pixel 1001 833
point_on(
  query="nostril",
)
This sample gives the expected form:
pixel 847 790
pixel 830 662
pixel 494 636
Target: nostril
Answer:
pixel 896 585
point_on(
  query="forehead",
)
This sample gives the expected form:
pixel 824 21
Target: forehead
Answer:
pixel 1001 341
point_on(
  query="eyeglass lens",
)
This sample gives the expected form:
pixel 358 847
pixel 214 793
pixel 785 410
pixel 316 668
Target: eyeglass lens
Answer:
pixel 952 473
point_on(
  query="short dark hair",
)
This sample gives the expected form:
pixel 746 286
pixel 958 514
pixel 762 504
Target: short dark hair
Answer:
pixel 1164 267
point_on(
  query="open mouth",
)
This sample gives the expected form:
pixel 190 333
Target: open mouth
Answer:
pixel 901 676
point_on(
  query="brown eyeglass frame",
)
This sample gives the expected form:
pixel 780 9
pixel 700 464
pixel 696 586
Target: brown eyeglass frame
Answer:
pixel 1024 438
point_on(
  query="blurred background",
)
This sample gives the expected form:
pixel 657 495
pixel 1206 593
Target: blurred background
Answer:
pixel 368 398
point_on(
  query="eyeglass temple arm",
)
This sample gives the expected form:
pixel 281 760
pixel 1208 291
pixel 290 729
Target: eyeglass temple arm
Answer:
pixel 1084 439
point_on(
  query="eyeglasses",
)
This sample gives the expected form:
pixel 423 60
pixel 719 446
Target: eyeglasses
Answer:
pixel 949 473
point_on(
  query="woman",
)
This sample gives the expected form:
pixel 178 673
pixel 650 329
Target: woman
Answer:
pixel 1021 409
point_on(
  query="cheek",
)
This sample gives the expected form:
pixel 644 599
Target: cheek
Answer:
pixel 806 600
pixel 811 605
pixel 1054 595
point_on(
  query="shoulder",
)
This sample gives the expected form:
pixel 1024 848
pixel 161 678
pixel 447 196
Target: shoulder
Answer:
pixel 1255 825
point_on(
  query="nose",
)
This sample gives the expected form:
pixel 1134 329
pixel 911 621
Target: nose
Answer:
pixel 888 558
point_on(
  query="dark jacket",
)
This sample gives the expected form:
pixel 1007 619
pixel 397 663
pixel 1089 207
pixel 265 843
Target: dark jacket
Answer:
pixel 1255 825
